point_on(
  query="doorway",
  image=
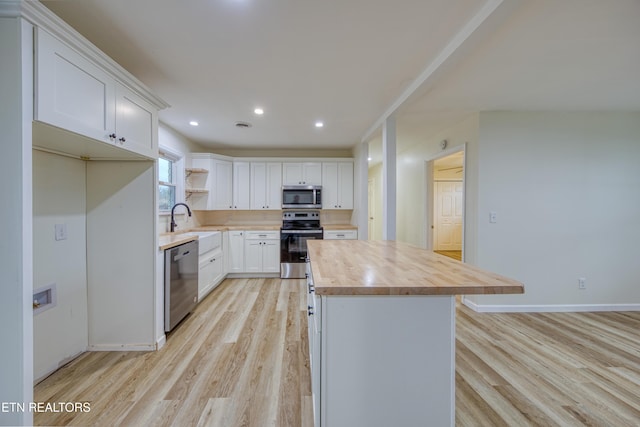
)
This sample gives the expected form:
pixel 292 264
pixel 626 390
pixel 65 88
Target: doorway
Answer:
pixel 447 204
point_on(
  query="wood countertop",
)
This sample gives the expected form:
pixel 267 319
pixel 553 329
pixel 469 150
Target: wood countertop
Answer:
pixel 171 240
pixel 373 267
pixel 168 241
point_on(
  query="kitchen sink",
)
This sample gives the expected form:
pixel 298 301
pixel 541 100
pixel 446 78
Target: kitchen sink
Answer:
pixel 208 240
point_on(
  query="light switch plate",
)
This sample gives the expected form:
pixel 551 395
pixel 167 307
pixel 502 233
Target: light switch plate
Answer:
pixel 493 217
pixel 61 231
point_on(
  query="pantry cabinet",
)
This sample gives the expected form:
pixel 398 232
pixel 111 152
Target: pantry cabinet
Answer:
pixel 75 94
pixel 266 186
pixel 337 185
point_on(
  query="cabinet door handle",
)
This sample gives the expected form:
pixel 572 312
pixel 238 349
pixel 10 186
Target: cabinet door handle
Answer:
pixel 122 140
pixel 310 310
pixel 112 136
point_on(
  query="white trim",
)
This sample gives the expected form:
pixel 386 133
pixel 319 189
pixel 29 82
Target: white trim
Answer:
pixel 38 14
pixel 178 159
pixel 429 194
pixel 552 308
pixel 447 56
pixel 161 341
pixel 123 347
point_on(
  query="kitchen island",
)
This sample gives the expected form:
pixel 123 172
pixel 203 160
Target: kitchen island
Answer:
pixel 382 331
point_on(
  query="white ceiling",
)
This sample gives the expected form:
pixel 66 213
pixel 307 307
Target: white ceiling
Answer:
pixel 351 63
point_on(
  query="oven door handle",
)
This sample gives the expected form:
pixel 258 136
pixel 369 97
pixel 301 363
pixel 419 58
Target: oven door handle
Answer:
pixel 301 231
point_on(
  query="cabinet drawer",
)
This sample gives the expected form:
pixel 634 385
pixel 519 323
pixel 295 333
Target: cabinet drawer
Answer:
pixel 262 235
pixel 340 234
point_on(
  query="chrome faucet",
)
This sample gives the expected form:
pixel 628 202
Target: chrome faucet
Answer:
pixel 173 221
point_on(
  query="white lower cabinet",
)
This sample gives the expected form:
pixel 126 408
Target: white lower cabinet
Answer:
pixel 340 234
pixel 314 313
pixel 236 252
pixel 381 360
pixel 211 272
pixel 262 251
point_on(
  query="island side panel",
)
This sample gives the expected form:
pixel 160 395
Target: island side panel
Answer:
pixel 388 360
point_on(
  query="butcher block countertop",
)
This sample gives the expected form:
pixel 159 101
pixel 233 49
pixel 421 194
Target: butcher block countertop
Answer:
pixel 171 240
pixel 373 267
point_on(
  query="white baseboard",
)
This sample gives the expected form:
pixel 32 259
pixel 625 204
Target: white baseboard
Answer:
pixel 161 341
pixel 550 308
pixel 122 347
pixel 252 275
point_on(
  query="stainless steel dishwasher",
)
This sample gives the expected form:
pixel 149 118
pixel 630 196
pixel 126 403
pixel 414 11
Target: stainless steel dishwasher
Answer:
pixel 180 283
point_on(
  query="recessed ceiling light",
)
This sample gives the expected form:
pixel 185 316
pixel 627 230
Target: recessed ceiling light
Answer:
pixel 193 123
pixel 259 111
pixel 369 159
pixel 319 124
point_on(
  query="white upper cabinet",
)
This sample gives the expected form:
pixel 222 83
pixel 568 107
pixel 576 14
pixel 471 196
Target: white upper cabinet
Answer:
pixel 221 190
pixel 308 173
pixel 71 92
pixel 135 123
pixel 337 185
pixel 266 186
pixel 241 186
pixel 74 94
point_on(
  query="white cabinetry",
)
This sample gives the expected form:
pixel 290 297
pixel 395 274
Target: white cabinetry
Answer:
pixel 76 95
pixel 218 182
pixel 135 121
pixel 262 251
pixel 307 173
pixel 236 252
pixel 340 234
pixel 211 265
pixel 227 182
pixel 241 185
pixel 314 311
pixel 266 186
pixel 221 190
pixel 210 273
pixel 337 185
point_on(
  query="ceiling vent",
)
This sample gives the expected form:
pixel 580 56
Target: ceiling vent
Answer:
pixel 243 125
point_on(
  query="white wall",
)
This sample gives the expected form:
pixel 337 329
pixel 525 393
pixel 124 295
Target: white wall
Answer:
pixel 565 187
pixel 59 194
pixel 170 138
pixel 16 356
pixel 121 253
pixel 412 179
pixel 177 144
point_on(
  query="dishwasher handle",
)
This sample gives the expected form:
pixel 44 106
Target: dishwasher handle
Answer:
pixel 179 256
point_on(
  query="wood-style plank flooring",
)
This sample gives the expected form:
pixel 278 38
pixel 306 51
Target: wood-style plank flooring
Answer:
pixel 451 254
pixel 241 359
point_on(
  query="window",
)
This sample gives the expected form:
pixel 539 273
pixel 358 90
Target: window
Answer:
pixel 170 174
pixel 167 184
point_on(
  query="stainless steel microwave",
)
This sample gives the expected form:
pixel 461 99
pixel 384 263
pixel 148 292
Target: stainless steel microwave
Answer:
pixel 301 196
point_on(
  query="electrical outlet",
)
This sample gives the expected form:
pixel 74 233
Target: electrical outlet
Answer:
pixel 493 217
pixel 582 283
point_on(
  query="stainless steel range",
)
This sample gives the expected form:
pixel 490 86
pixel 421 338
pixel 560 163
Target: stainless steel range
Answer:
pixel 297 228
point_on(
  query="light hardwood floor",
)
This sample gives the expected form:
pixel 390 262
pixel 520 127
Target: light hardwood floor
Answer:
pixel 241 359
pixel 451 254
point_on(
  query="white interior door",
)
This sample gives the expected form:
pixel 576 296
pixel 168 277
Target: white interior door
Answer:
pixel 448 216
pixel 370 209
